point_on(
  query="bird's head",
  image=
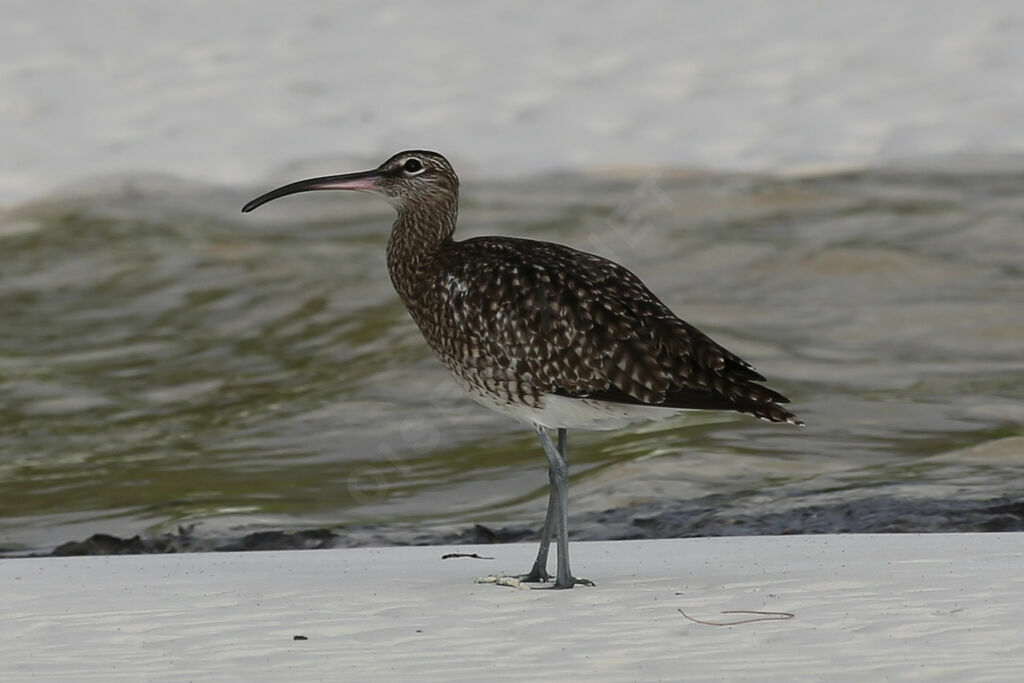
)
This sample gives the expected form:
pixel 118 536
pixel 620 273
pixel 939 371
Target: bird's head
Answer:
pixel 415 176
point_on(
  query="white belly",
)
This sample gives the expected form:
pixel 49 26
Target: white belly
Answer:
pixel 559 412
pixel 576 413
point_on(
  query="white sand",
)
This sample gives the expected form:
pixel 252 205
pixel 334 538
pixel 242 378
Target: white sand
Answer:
pixel 936 607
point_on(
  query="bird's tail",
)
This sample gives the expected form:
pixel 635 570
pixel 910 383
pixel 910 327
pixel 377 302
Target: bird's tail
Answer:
pixel 772 412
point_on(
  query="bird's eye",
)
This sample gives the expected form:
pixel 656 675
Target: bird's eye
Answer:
pixel 412 166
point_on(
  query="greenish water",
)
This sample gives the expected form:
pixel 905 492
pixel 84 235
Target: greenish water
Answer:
pixel 165 360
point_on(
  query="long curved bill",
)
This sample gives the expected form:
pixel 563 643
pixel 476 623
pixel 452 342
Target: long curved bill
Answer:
pixel 363 180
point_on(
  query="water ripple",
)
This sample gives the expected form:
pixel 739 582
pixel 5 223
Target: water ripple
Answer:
pixel 164 360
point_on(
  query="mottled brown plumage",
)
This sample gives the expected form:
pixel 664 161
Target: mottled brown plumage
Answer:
pixel 523 319
pixel 520 319
pixel 543 332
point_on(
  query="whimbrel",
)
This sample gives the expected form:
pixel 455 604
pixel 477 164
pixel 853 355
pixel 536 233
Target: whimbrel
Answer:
pixel 558 338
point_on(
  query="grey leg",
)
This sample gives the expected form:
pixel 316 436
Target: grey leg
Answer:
pixel 558 467
pixel 539 573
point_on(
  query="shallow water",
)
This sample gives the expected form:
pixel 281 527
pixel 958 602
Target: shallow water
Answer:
pixel 166 361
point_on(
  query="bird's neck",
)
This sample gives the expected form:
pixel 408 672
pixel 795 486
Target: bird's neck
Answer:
pixel 416 236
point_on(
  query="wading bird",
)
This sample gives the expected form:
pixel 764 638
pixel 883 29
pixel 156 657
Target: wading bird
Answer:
pixel 552 336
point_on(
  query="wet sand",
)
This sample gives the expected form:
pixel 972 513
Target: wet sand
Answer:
pixel 710 516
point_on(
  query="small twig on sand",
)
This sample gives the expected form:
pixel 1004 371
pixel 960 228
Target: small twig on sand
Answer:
pixel 762 616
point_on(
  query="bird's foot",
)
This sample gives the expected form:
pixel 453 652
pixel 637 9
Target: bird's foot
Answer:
pixel 570 582
pixel 536 575
pixel 523 581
